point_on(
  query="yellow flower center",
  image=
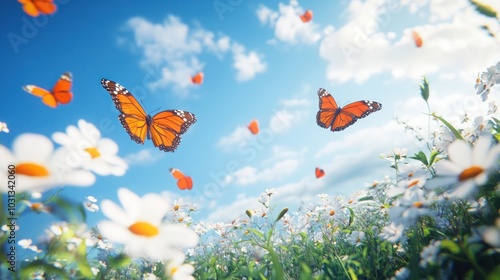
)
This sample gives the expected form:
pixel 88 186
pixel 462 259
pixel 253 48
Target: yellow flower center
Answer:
pixel 332 212
pixel 32 169
pixel 418 204
pixel 144 229
pixel 470 172
pixel 173 270
pixel 93 152
pixel 176 207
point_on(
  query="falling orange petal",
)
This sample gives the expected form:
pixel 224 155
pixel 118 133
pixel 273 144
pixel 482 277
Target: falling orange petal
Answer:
pixel 254 127
pixel 198 78
pixel 319 172
pixel 418 40
pixel 36 7
pixel 307 16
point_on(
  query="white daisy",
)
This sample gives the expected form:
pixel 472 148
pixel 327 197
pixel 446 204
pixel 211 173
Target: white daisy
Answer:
pixel 176 269
pixel 38 168
pixel 138 225
pixel 467 168
pixel 89 151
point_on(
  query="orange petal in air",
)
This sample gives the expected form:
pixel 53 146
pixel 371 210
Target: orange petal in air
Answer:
pixel 197 79
pixel 418 40
pixel 319 172
pixel 307 16
pixel 254 127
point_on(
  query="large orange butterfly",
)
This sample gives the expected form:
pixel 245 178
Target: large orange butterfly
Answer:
pixel 36 7
pixel 60 94
pixel 331 116
pixel 164 129
pixel 183 182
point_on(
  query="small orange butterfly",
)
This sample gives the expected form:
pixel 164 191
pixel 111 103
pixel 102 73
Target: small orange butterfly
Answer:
pixel 36 7
pixel 60 94
pixel 319 172
pixel 197 79
pixel 183 182
pixel 418 40
pixel 307 16
pixel 254 127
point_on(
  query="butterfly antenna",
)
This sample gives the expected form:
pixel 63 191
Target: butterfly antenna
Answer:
pixel 156 110
pixel 144 106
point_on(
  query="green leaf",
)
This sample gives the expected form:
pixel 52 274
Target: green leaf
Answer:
pixel 420 156
pixel 451 246
pixel 277 269
pixel 455 132
pixel 40 265
pixel 484 9
pixel 256 232
pixel 424 89
pixel 434 154
pixel 306 272
pixel 351 216
pixel 121 260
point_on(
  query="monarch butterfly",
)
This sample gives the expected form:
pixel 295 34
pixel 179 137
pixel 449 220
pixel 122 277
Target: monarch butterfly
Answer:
pixel 254 127
pixel 197 79
pixel 60 94
pixel 183 182
pixel 330 115
pixel 319 172
pixel 307 16
pixel 417 39
pixel 36 7
pixel 164 129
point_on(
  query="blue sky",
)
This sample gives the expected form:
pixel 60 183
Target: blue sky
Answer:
pixel 259 62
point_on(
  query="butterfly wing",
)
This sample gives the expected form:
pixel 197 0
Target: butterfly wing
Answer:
pixel 185 183
pixel 176 173
pixel 254 127
pixel 417 39
pixel 47 97
pixel 62 89
pixel 327 109
pixel 168 126
pixel 132 116
pixel 350 113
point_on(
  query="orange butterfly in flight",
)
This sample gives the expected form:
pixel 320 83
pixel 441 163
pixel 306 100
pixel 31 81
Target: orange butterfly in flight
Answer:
pixel 417 39
pixel 60 94
pixel 197 79
pixel 254 127
pixel 183 182
pixel 164 129
pixel 319 172
pixel 36 7
pixel 331 116
pixel 307 16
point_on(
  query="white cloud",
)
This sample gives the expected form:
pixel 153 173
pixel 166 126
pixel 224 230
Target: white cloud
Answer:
pixel 233 210
pixel 359 50
pixel 287 25
pixel 247 65
pixel 143 157
pixel 175 48
pixel 237 137
pixel 294 102
pixel 250 175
